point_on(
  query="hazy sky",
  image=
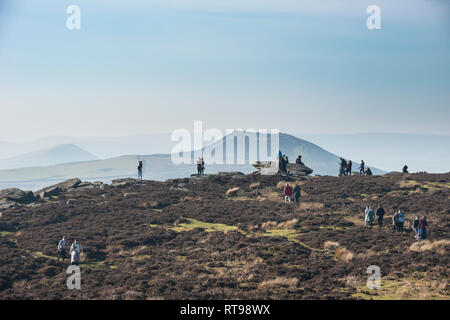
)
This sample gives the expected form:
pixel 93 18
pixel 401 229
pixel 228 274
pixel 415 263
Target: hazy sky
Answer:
pixel 154 66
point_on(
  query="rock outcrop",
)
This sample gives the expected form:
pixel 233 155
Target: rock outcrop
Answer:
pixel 271 168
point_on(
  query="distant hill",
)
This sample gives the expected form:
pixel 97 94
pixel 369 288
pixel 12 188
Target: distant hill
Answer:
pixel 60 154
pixel 160 167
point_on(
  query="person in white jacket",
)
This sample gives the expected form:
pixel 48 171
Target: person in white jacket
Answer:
pixel 75 250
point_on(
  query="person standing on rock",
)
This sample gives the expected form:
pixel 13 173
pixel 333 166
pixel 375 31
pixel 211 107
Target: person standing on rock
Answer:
pixel 203 168
pixel 361 168
pixel 423 225
pixel 288 193
pixel 139 167
pixel 297 194
pixel 199 167
pixel 380 214
pixel 75 250
pixel 61 249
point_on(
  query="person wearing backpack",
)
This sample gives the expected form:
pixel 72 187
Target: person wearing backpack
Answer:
pixel 288 193
pixel 348 170
pixel 401 220
pixel 370 216
pixel 416 227
pixel 361 168
pixel 395 222
pixel 61 249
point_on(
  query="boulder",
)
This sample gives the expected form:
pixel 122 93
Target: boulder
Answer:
pixel 17 195
pixel 123 182
pixel 49 192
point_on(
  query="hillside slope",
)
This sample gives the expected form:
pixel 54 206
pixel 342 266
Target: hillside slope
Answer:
pixel 185 239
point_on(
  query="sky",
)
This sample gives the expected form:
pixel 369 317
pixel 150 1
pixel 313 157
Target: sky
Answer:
pixel 143 67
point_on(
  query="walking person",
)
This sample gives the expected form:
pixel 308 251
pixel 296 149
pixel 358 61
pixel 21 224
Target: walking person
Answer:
pixel 297 194
pixel 416 227
pixel 366 211
pixel 401 220
pixel 361 168
pixel 348 169
pixel 380 214
pixel 395 221
pixel 423 225
pixel 370 217
pixel 139 167
pixel 61 249
pixel 288 193
pixel 75 250
pixel 199 167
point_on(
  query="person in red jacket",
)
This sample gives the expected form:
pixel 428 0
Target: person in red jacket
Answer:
pixel 423 225
pixel 288 193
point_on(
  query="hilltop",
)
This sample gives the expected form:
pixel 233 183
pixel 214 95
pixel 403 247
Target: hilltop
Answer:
pixel 187 239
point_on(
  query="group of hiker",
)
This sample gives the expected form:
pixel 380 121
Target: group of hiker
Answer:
pixel 282 162
pixel 292 194
pixel 74 251
pixel 345 168
pixel 398 221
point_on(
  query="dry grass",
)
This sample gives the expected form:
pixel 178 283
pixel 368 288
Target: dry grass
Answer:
pixel 331 245
pixel 439 246
pixel 282 225
pixel 343 254
pixel 281 185
pixel 279 282
pixel 232 191
pixel 311 205
pixel 255 185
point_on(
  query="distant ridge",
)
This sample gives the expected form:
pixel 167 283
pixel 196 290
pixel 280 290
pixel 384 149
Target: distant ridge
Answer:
pixel 60 154
pixel 160 167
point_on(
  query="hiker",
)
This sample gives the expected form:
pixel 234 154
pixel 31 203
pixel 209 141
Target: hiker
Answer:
pixel 75 250
pixel 286 158
pixel 299 160
pixel 199 167
pixel 348 169
pixel 405 169
pixel 288 193
pixel 365 215
pixel 380 214
pixel 370 216
pixel 395 222
pixel 401 220
pixel 280 155
pixel 343 165
pixel 361 168
pixel 139 167
pixel 368 172
pixel 423 225
pixel 202 172
pixel 62 249
pixel 416 227
pixel 282 165
pixel 297 194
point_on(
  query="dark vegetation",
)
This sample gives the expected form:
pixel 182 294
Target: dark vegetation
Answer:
pixel 185 239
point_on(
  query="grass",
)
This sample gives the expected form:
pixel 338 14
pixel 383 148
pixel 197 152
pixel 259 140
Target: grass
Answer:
pixel 208 227
pixel 141 257
pixel 5 233
pixel 404 289
pixel 39 254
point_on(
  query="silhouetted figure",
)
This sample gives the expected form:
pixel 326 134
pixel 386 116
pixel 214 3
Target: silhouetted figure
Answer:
pixel 297 194
pixel 286 159
pixel 139 167
pixel 405 169
pixel 361 168
pixel 368 172
pixel 199 167
pixel 343 166
pixel 416 228
pixel 348 169
pixel 299 160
